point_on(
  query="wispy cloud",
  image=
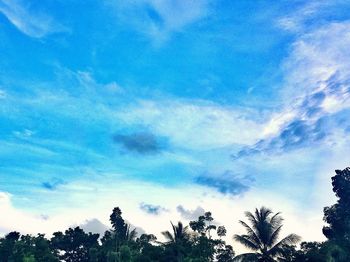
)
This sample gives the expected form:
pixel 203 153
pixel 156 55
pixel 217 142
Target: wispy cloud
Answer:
pixel 195 124
pixel 28 21
pixel 311 15
pixel 159 19
pixel 226 183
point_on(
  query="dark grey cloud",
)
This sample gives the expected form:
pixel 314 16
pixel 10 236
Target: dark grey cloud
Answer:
pixel 190 214
pixel 152 209
pixel 52 185
pixel 140 142
pixel 226 183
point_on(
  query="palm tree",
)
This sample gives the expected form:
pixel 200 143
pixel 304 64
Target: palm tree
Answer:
pixel 177 239
pixel 262 236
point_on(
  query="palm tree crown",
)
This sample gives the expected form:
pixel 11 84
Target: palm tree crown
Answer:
pixel 179 234
pixel 262 236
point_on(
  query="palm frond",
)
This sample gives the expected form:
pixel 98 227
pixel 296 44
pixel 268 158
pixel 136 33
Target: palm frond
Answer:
pixel 253 236
pixel 168 236
pixel 289 240
pixel 274 236
pixel 276 220
pixel 244 240
pixel 263 213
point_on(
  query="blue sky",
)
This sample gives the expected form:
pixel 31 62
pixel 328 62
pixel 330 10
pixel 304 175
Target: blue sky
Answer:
pixel 168 108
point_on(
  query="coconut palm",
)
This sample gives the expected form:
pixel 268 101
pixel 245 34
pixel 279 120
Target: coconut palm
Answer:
pixel 177 239
pixel 262 236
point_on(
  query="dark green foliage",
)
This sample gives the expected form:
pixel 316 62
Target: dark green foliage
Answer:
pixel 74 244
pixel 203 224
pixel 26 248
pixel 225 253
pixel 337 217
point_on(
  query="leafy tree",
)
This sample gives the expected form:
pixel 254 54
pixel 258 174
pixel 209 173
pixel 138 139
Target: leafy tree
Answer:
pixel 203 224
pixel 15 247
pixel 262 236
pixel 74 245
pixel 204 247
pixel 338 215
pixel 221 231
pixel 145 250
pixel 314 252
pixel 7 246
pixel 225 253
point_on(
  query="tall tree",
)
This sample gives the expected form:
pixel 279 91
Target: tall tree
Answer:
pixel 262 236
pixel 122 232
pixel 338 215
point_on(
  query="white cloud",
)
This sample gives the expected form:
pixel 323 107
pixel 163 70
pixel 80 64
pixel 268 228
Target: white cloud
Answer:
pixel 309 14
pixel 317 65
pixel 29 22
pixel 194 124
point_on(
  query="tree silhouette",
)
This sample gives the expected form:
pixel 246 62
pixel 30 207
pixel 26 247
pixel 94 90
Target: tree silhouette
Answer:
pixel 177 239
pixel 121 230
pixel 338 217
pixel 262 236
pixel 74 244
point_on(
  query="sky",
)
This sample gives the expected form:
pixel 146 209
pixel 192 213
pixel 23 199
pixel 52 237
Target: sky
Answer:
pixel 171 108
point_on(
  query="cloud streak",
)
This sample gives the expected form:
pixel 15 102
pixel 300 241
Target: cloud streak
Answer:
pixel 226 183
pixel 31 23
pixel 159 19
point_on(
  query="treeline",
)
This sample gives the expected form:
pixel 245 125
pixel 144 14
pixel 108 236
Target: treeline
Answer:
pixel 200 241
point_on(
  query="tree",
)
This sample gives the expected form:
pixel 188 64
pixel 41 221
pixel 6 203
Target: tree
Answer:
pixel 338 215
pixel 177 240
pixel 7 246
pixel 203 225
pixel 221 231
pixel 262 236
pixel 145 251
pixel 74 245
pixel 122 233
pixel 225 253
